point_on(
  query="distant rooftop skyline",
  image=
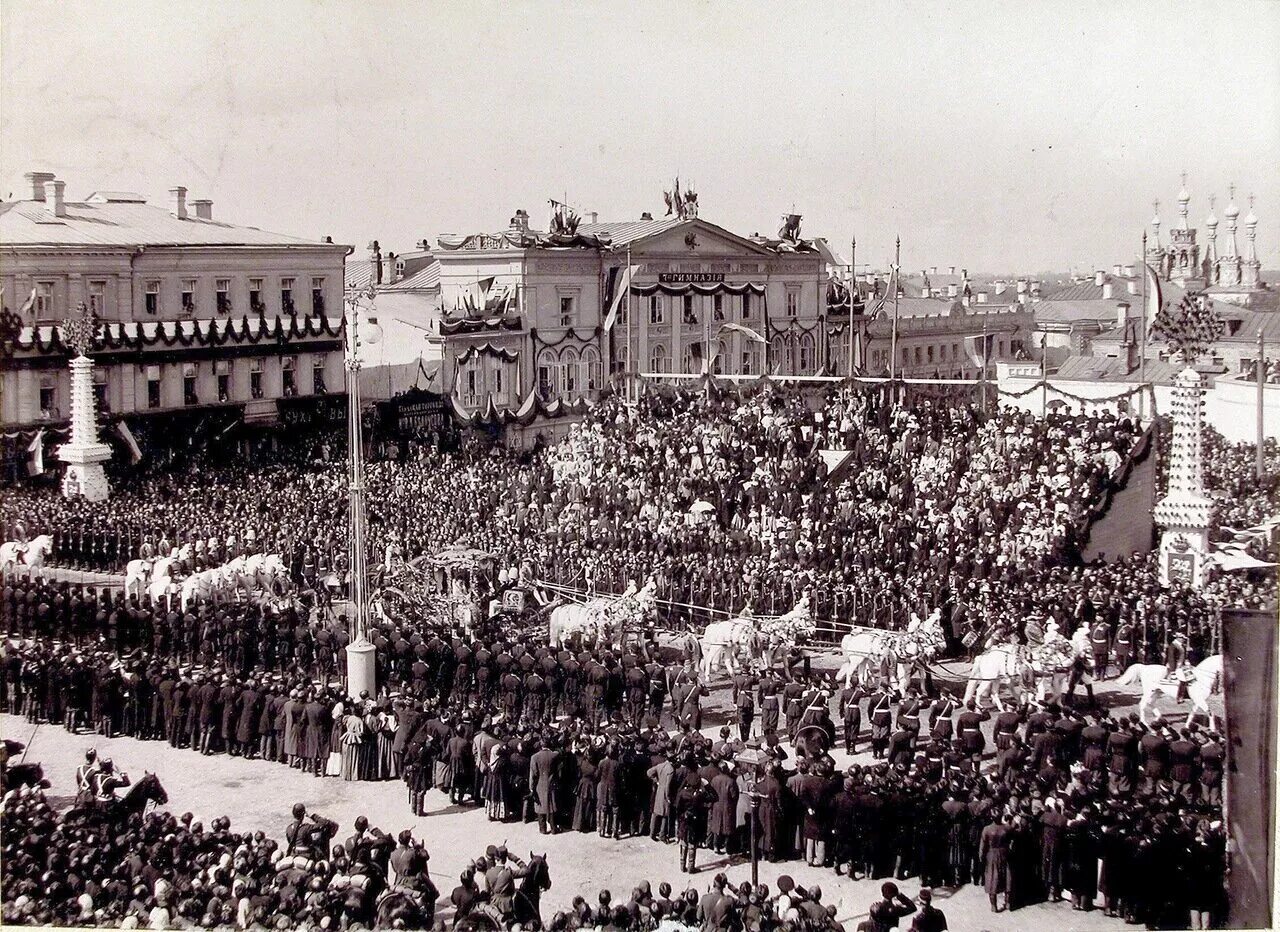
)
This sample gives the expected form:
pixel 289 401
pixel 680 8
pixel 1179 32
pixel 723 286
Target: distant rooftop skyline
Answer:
pixel 996 142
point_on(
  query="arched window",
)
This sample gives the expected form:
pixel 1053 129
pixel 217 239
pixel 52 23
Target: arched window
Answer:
pixel 722 363
pixel 590 368
pixel 779 355
pixel 548 378
pixel 569 380
pixel 808 354
pixel 658 358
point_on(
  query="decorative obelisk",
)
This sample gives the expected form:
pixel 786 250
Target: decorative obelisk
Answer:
pixel 84 454
pixel 1185 512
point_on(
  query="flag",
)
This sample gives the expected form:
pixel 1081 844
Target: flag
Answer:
pixel 30 303
pixel 36 449
pixel 135 454
pixel 619 294
pixel 1155 300
pixel 746 331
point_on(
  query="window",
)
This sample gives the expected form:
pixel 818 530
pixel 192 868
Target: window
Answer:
pixel 286 296
pixel 151 298
pixel 688 316
pixel 906 356
pixel 918 357
pixel 222 369
pixel 622 310
pixel 317 378
pixel 153 386
pixel 255 378
pixel 317 295
pixel 721 357
pixel 566 310
pixel 808 356
pixel 717 307
pixel 100 392
pixel 746 306
pixel 189 375
pixel 48 400
pixel 657 312
pixel 97 298
pixel 289 381
pixel 223 288
pixel 188 295
pixel 471 384
pixel 793 303
pixel 496 382
pixel 255 296
pixel 688 361
pixel 591 368
pixel 569 380
pixel 547 378
pixel 44 301
pixel 779 356
pixel 658 358
pixel 929 352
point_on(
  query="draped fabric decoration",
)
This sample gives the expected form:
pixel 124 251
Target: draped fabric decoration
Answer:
pixel 531 409
pixel 570 334
pixel 520 239
pixel 132 335
pixel 732 288
pixel 488 349
pixel 452 326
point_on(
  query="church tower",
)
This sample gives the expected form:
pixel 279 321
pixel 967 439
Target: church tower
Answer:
pixel 1183 262
pixel 1229 262
pixel 1210 263
pixel 1251 267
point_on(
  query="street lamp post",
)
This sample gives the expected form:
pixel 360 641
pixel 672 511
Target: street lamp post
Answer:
pixel 750 759
pixel 361 655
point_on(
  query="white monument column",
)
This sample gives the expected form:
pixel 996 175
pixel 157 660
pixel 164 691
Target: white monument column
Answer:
pixel 1185 511
pixel 84 454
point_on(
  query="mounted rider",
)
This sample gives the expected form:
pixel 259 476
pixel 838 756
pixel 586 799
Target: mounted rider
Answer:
pixel 104 783
pixel 1175 661
pixel 87 771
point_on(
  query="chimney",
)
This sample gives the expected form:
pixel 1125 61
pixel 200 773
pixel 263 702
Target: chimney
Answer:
pixel 1122 317
pixel 952 290
pixel 53 197
pixel 593 216
pixel 390 277
pixel 952 270
pixel 1035 288
pixel 1107 290
pixel 520 221
pixel 1133 285
pixel 1116 270
pixel 375 261
pixel 933 270
pixel 1129 271
pixel 1001 286
pixel 179 196
pixel 1022 286
pixel 982 297
pixel 1098 276
pixel 204 209
pixel 37 180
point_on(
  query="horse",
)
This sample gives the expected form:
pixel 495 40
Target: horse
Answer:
pixel 145 791
pixel 161 584
pixel 137 575
pixel 203 585
pixel 13 553
pixel 20 775
pixel 1154 679
pixel 586 619
pixel 1002 663
pixel 861 649
pixel 397 907
pixel 722 641
pixel 526 907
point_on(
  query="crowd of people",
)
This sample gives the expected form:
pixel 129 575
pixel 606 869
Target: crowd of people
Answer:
pixel 727 504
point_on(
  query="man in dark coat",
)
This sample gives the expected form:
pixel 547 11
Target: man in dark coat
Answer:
pixel 692 804
pixel 543 773
pixel 247 718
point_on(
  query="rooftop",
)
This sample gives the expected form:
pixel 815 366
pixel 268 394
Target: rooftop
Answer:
pixel 123 219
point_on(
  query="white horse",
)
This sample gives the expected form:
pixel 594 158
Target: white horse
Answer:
pixel 205 585
pixel 723 641
pixel 863 649
pixel 137 576
pixel 1203 682
pixel 1002 664
pixel 588 619
pixel 160 582
pixel 14 554
pixel 261 569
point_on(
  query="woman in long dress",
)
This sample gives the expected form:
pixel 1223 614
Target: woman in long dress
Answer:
pixel 386 735
pixel 352 742
pixel 333 764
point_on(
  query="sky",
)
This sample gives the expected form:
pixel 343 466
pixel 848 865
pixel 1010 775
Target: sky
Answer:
pixel 998 137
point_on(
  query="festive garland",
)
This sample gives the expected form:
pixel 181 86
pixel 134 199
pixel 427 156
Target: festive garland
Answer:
pixel 1082 399
pixel 449 327
pixel 570 334
pixel 693 288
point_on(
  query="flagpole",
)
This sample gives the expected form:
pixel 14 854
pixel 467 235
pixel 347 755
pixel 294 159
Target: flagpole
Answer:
pixel 1142 360
pixel 629 368
pixel 853 286
pixel 893 334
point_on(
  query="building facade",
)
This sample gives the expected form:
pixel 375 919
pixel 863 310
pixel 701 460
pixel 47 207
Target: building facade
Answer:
pixel 527 317
pixel 194 314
